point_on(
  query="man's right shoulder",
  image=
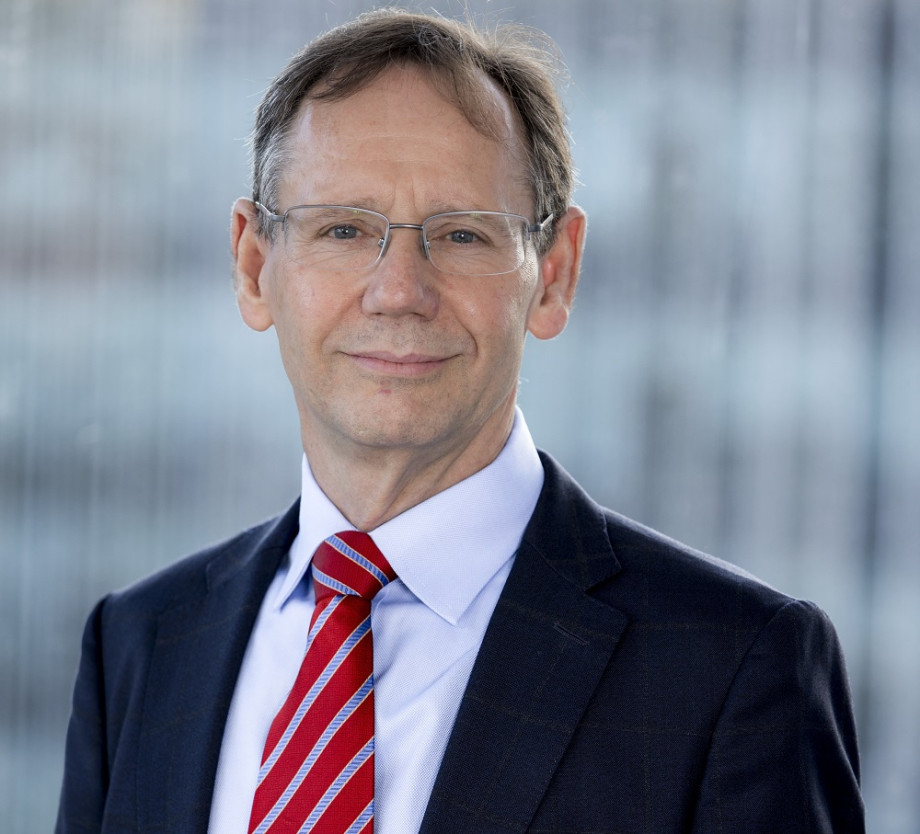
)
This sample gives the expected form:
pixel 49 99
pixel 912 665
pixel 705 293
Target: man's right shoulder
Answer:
pixel 193 576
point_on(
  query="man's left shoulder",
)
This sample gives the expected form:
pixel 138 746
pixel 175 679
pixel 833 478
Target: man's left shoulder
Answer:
pixel 648 574
pixel 679 583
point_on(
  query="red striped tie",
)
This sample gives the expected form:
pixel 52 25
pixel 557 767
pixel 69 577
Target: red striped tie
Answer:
pixel 317 770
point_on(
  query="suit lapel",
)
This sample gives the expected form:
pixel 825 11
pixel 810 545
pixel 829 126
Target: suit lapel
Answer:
pixel 206 635
pixel 543 654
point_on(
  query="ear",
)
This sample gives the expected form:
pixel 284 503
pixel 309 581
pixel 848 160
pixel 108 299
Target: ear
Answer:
pixel 250 253
pixel 559 269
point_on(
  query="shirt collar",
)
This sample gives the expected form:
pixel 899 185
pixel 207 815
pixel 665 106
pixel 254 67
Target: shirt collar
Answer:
pixel 448 547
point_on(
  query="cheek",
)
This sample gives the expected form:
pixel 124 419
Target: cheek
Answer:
pixel 499 322
pixel 509 307
pixel 294 291
pixel 303 310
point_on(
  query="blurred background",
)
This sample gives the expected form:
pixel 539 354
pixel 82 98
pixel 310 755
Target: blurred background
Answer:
pixel 742 369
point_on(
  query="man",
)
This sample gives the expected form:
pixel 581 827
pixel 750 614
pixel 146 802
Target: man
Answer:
pixel 539 663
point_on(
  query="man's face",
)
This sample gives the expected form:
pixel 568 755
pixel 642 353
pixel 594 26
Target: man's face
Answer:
pixel 399 356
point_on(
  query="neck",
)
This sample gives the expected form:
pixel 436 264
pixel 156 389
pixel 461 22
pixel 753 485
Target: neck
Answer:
pixel 372 485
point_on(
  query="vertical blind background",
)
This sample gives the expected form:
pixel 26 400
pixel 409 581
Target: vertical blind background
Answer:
pixel 742 369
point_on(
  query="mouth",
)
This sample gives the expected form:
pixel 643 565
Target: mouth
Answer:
pixel 408 366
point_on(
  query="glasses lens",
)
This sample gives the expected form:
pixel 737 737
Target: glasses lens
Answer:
pixel 475 242
pixel 334 237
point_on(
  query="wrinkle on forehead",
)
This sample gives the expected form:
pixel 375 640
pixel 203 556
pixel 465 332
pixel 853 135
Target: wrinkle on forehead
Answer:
pixel 485 107
pixel 477 96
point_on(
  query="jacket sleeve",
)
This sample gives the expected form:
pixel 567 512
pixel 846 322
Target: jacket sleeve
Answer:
pixel 85 767
pixel 783 755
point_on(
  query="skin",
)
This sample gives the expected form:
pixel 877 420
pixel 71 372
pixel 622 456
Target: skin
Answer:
pixel 405 378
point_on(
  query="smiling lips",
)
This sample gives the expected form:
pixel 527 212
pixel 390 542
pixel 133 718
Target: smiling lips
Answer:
pixel 408 366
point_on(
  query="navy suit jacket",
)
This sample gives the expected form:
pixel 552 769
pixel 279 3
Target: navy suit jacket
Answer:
pixel 625 684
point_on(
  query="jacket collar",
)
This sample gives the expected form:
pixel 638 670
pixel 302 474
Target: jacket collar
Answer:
pixel 546 647
pixel 206 634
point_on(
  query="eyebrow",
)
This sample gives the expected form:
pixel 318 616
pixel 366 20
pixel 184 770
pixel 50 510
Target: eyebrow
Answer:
pixel 439 207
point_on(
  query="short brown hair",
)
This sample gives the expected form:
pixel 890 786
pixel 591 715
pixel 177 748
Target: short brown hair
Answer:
pixel 523 64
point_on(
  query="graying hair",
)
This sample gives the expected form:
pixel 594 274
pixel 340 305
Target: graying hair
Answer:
pixel 523 63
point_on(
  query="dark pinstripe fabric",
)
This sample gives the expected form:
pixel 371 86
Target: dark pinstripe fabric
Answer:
pixel 625 684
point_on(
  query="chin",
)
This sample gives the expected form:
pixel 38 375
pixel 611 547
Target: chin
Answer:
pixel 395 432
pixel 398 422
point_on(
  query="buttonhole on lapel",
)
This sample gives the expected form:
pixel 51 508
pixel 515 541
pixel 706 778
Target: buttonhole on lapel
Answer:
pixel 570 634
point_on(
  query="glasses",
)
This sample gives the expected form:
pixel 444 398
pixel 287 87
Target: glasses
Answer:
pixel 458 242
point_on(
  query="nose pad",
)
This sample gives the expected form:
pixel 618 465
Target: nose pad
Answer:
pixel 401 285
pixel 384 243
pixel 423 245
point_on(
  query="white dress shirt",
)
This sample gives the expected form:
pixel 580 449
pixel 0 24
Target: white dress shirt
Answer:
pixel 452 555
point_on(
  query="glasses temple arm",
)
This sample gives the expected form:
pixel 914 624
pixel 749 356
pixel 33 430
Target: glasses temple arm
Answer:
pixel 278 218
pixel 536 228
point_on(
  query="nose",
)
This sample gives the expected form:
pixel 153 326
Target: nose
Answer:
pixel 403 280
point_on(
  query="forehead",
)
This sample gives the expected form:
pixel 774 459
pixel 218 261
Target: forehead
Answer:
pixel 400 132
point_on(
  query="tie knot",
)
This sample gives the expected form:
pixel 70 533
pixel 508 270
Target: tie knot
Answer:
pixel 350 563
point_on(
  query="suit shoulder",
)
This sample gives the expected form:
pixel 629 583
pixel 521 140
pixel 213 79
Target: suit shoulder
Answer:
pixel 634 540
pixel 647 575
pixel 191 576
pixel 688 583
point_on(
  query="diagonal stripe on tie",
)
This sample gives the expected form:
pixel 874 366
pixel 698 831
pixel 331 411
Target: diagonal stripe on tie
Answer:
pixel 342 547
pixel 343 655
pixel 337 790
pixel 301 792
pixel 317 772
pixel 323 714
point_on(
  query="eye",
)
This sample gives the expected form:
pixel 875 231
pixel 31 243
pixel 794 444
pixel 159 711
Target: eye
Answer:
pixel 459 231
pixel 462 236
pixel 343 232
